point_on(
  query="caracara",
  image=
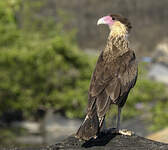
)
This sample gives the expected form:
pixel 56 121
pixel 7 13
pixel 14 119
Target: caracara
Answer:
pixel 113 77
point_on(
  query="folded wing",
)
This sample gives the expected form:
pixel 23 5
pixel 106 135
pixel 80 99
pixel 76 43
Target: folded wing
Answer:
pixel 111 82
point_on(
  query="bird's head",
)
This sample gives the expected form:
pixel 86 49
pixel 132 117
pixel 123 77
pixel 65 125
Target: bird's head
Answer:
pixel 119 25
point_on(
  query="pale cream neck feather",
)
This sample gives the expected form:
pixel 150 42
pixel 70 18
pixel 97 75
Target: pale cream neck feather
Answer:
pixel 116 46
pixel 117 43
pixel 118 29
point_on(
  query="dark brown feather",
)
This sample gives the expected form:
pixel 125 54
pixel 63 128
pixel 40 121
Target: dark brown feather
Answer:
pixel 112 80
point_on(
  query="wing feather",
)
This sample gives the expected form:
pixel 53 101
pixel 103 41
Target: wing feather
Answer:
pixel 112 81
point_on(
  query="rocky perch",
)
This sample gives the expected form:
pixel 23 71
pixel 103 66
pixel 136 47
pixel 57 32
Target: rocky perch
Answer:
pixel 106 141
pixel 110 141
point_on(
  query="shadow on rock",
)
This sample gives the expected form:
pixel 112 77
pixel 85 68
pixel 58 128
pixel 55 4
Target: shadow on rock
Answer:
pixel 101 140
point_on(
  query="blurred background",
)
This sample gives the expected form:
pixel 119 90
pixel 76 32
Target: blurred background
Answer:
pixel 48 50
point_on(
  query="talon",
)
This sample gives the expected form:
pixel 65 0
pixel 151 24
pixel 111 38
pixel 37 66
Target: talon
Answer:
pixel 126 132
pixel 78 138
pixel 95 137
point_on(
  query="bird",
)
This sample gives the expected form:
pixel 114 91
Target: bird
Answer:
pixel 114 76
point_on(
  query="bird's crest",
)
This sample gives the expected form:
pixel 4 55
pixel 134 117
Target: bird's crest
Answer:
pixel 123 20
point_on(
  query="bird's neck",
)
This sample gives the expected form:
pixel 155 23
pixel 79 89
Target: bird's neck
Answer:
pixel 118 29
pixel 116 46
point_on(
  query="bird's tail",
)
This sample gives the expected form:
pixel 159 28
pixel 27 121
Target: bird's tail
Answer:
pixel 90 127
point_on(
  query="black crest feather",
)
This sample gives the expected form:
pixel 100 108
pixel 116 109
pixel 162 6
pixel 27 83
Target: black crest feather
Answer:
pixel 123 20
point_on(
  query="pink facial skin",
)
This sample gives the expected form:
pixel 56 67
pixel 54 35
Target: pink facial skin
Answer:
pixel 108 20
pixel 105 20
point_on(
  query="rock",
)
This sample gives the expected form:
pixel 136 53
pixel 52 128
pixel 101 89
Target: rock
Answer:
pixel 159 65
pixel 159 72
pixel 32 127
pixel 105 141
pixel 31 139
pixel 161 53
pixel 110 141
pixel 160 136
pixel 58 127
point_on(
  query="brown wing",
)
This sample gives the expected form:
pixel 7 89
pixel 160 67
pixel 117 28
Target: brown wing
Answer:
pixel 111 82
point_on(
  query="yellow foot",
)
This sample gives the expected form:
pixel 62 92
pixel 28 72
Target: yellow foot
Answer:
pixel 126 132
pixel 116 131
pixel 78 138
pixel 95 137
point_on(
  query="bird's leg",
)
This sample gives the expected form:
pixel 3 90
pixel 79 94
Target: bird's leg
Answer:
pixel 104 130
pixel 116 130
pixel 122 131
pixel 118 118
pixel 104 125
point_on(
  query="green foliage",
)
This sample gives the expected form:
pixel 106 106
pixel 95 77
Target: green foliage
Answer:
pixel 160 115
pixel 42 67
pixel 8 27
pixel 56 75
pixel 144 94
pixel 9 135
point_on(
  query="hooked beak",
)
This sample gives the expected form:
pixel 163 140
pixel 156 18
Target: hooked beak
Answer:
pixel 105 20
pixel 101 21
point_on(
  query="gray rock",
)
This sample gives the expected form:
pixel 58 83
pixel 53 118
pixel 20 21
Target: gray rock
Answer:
pixel 57 127
pixel 160 54
pixel 159 73
pixel 110 141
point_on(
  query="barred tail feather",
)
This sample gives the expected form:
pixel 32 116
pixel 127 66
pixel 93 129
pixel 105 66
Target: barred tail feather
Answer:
pixel 90 126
